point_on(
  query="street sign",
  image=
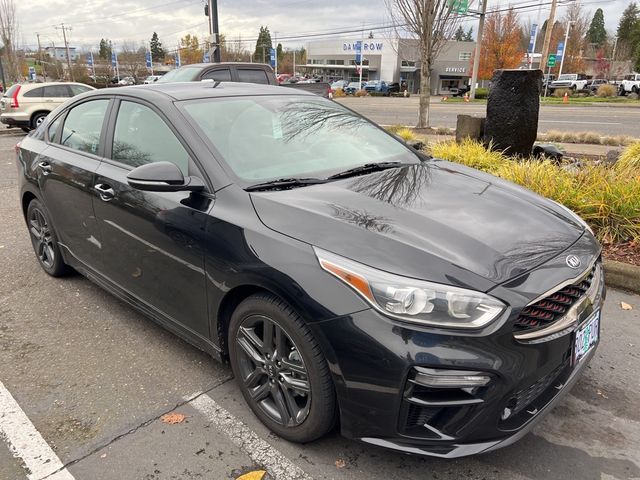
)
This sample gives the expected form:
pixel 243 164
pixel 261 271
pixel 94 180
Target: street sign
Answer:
pixel 147 57
pixel 32 73
pixel 178 62
pixel 272 57
pixel 551 60
pixel 206 58
pixel 114 59
pixel 358 53
pixel 90 59
pixel 459 6
pixel 560 51
pixel 532 39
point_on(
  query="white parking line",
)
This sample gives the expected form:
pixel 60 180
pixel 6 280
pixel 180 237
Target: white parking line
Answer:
pixel 279 466
pixel 26 443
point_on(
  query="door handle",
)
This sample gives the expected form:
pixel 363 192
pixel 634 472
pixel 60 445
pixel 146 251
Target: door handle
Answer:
pixel 45 167
pixel 105 192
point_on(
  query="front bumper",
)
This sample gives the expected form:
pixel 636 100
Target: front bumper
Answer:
pixel 374 358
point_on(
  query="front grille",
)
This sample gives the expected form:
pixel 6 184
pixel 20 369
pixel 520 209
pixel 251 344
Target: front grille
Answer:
pixel 553 307
pixel 417 416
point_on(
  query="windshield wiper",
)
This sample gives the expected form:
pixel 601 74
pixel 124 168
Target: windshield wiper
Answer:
pixel 284 183
pixel 366 168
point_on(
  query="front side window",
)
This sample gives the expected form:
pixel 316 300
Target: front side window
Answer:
pixel 184 74
pixel 266 138
pixel 253 76
pixel 54 127
pixel 142 137
pixel 82 127
pixel 78 89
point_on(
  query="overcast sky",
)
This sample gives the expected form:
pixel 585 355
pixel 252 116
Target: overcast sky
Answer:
pixel 136 20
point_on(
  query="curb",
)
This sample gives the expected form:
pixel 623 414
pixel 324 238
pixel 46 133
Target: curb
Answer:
pixel 622 275
pixel 11 131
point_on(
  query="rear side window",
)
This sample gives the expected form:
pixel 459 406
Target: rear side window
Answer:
pixel 141 137
pixel 253 76
pixel 12 90
pixel 36 92
pixel 59 91
pixel 83 125
pixel 78 89
pixel 222 75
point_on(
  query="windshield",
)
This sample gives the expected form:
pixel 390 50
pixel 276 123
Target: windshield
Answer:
pixel 275 137
pixel 183 74
pixel 568 77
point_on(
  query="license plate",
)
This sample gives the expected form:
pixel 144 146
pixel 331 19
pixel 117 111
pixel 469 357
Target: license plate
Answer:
pixel 586 337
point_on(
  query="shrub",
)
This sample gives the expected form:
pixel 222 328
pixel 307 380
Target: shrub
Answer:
pixel 630 158
pixel 606 197
pixel 406 134
pixel 361 93
pixel 559 92
pixel 607 90
pixel 339 92
pixel 482 93
pixel 394 128
pixel 589 137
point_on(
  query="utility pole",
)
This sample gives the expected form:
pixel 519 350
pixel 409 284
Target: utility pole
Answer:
pixel 66 46
pixel 44 70
pixel 564 48
pixel 476 56
pixel 547 34
pixel 212 12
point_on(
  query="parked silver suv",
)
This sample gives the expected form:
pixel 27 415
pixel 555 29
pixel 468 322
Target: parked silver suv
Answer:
pixel 26 105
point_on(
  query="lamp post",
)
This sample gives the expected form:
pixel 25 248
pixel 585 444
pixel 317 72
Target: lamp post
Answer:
pixel 566 44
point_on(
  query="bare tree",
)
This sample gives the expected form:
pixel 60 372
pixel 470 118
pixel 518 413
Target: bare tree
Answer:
pixel 432 22
pixel 132 62
pixel 8 35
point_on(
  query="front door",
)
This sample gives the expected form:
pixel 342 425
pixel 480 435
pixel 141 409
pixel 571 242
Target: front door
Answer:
pixel 66 177
pixel 152 242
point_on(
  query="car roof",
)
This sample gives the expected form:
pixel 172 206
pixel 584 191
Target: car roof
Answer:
pixel 29 85
pixel 206 89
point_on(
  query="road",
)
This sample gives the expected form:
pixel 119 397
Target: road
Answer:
pixel 90 379
pixel 616 120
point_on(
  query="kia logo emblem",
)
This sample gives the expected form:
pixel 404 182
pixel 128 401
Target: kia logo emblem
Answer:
pixel 573 261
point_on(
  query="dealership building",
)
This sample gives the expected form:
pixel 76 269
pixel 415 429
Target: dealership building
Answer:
pixel 393 60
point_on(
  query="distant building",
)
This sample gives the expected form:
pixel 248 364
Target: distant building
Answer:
pixel 393 60
pixel 60 53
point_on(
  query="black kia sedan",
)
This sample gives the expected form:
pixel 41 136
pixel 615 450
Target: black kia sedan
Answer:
pixel 348 279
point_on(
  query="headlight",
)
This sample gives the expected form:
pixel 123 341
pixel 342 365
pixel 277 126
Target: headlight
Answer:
pixel 412 300
pixel 575 216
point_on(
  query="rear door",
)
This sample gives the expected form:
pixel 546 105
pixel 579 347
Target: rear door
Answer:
pixel 66 177
pixel 153 241
pixel 55 95
pixel 254 75
pixel 218 75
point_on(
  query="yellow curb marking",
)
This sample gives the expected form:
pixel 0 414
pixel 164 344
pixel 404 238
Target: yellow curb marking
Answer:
pixel 255 475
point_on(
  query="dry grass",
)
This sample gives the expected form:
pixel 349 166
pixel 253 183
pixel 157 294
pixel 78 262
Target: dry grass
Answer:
pixel 585 137
pixel 607 197
pixel 606 90
pixel 559 92
pixel 406 134
pixel 361 93
pixel 339 92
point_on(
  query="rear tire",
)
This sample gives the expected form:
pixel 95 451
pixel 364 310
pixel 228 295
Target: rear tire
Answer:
pixel 280 369
pixel 37 119
pixel 44 240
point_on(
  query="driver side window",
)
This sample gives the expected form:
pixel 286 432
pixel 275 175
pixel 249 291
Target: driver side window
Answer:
pixel 142 137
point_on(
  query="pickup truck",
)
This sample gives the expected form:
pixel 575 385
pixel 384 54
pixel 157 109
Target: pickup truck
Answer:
pixel 237 72
pixel 630 84
pixel 572 81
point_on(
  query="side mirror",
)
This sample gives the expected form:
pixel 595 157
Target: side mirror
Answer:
pixel 162 177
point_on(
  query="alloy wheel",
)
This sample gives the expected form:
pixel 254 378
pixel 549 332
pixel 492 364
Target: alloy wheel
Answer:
pixel 42 238
pixel 273 371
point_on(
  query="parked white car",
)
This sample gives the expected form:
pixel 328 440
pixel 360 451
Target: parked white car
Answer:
pixel 151 79
pixel 630 84
pixel 127 81
pixel 572 81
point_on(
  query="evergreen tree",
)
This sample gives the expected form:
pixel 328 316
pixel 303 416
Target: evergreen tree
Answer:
pixel 628 23
pixel 280 53
pixel 104 50
pixel 468 37
pixel 597 33
pixel 263 46
pixel 459 35
pixel 157 52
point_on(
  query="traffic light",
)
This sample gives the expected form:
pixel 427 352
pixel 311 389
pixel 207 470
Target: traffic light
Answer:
pixel 206 10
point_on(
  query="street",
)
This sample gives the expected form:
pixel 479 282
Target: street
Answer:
pixel 605 120
pixel 94 378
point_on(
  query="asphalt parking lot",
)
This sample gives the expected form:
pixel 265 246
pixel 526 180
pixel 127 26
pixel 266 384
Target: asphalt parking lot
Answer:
pixel 90 381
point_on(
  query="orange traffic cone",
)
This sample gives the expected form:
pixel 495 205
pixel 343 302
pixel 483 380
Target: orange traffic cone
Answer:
pixel 565 98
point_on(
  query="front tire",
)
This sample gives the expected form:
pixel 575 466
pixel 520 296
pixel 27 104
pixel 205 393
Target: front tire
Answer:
pixel 37 119
pixel 44 240
pixel 280 369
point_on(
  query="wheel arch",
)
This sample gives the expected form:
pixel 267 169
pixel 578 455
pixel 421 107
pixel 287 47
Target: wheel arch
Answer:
pixel 34 114
pixel 27 197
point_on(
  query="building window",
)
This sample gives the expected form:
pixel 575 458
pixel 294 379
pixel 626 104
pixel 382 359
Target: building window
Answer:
pixel 408 63
pixel 464 56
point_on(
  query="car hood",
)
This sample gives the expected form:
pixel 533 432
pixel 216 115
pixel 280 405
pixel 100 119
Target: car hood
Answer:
pixel 436 221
